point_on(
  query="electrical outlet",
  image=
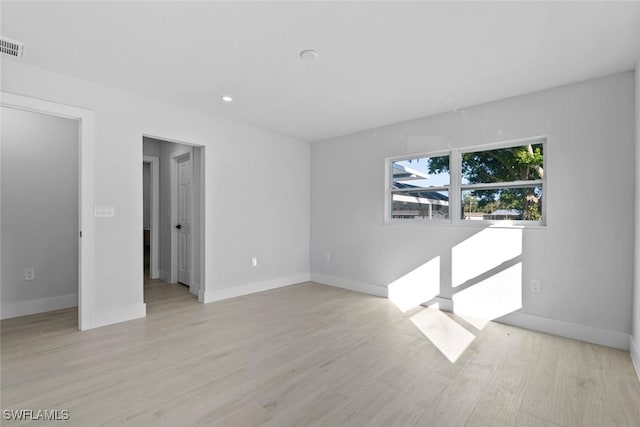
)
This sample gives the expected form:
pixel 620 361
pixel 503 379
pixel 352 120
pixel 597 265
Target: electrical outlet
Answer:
pixel 535 286
pixel 29 273
pixel 254 262
pixel 327 256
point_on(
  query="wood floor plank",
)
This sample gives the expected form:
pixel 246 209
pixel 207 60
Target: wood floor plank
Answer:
pixel 307 355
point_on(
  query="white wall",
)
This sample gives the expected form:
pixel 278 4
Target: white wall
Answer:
pixel 270 218
pixel 583 257
pixel 39 212
pixel 635 337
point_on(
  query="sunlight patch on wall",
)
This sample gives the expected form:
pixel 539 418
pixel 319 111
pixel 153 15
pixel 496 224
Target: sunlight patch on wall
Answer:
pixel 484 251
pixel 491 298
pixel 416 287
pixel 445 333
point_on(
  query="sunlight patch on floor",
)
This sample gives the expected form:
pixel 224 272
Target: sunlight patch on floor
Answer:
pixel 445 333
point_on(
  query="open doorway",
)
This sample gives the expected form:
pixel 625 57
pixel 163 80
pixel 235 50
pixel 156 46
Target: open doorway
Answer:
pixel 47 205
pixel 176 243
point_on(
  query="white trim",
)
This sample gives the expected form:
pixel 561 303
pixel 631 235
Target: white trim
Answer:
pixel 416 199
pixel 508 184
pixel 86 262
pixel 555 327
pixel 410 156
pixel 25 308
pixel 455 186
pixel 199 154
pixel 120 314
pixel 567 329
pixel 634 352
pixel 444 304
pixel 352 285
pixel 251 288
pixel 154 161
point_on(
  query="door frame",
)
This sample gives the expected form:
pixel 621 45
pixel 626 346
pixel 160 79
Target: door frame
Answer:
pixel 86 231
pixel 154 213
pixel 175 158
pixel 198 158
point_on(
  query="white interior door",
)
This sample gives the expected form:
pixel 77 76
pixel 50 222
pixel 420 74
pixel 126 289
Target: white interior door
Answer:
pixel 185 177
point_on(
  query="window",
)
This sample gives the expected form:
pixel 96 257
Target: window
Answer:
pixel 417 192
pixel 496 183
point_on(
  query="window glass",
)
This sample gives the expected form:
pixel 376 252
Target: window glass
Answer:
pixel 519 163
pixel 514 204
pixel 420 188
pixel 503 183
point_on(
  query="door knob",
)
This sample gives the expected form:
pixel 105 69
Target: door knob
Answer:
pixel 179 226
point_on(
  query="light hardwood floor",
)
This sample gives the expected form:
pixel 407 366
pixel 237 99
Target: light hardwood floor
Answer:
pixel 306 355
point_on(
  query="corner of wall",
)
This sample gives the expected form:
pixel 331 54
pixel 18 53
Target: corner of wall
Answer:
pixel 25 308
pixel 634 339
pixel 194 288
pixel 207 296
pixel 566 329
pixel 164 276
pixel 118 315
pixel 634 351
pixel 352 285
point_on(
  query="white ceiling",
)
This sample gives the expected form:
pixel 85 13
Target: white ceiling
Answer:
pixel 379 63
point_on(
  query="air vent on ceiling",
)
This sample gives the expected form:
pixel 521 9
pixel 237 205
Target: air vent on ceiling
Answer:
pixel 11 47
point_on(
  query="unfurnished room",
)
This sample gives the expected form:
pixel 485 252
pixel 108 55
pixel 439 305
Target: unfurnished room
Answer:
pixel 313 213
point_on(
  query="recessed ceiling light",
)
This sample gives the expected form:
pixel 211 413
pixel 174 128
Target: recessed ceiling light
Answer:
pixel 226 98
pixel 309 55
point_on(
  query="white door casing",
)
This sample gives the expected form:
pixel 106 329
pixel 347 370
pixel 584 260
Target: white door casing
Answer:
pixel 86 262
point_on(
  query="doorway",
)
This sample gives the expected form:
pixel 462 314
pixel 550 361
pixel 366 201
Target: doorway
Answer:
pixel 180 221
pixel 81 229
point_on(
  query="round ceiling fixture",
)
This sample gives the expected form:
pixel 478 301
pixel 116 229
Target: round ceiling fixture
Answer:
pixel 308 55
pixel 226 98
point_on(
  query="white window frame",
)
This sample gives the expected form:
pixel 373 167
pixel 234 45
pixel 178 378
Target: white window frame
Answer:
pixel 390 190
pixel 456 186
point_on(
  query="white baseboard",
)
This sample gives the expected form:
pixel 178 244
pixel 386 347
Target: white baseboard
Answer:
pixel 352 285
pixel 444 304
pixel 561 328
pixel 634 351
pixel 120 314
pixel 165 276
pixel 24 308
pixel 207 296
pixel 567 329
